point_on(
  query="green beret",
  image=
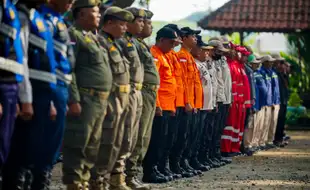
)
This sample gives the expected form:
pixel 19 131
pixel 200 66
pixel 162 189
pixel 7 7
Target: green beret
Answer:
pixel 136 12
pixel 119 13
pixel 149 14
pixel 85 3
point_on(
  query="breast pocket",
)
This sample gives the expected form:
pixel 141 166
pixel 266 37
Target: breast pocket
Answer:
pixel 134 58
pixel 191 72
pixel 117 64
pixel 95 55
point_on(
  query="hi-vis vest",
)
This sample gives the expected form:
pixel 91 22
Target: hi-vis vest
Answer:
pixel 42 63
pixel 61 44
pixel 11 49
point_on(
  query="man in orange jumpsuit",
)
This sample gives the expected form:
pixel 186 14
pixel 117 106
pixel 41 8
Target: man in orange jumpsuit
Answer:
pixel 178 119
pixel 165 105
pixel 174 120
pixel 182 150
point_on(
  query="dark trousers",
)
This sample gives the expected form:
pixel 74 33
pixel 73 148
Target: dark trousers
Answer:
pixel 169 138
pixel 207 135
pixel 181 142
pixel 192 135
pixel 219 123
pixel 31 145
pixel 281 123
pixel 158 141
pixel 198 139
pixel 8 100
pixel 247 116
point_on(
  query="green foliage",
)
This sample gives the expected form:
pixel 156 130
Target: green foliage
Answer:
pixel 295 100
pixel 299 46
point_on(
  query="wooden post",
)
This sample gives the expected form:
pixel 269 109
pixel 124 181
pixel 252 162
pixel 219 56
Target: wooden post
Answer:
pixel 241 37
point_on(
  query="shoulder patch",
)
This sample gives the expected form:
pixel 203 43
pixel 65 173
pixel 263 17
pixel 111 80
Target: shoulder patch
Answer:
pixel 12 13
pixel 113 48
pixel 129 44
pixel 40 25
pixel 88 39
pixel 61 26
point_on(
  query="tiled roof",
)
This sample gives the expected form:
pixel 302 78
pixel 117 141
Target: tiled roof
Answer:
pixel 259 16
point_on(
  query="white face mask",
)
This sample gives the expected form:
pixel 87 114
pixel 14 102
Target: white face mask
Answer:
pixel 177 48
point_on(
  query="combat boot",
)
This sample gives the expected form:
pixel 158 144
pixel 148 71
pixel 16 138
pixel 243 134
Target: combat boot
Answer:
pixel 117 182
pixel 135 184
pixel 185 165
pixel 99 184
pixel 76 186
pixel 176 168
pixel 198 166
pixel 151 176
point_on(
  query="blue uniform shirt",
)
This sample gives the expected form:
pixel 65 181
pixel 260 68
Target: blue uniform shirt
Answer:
pixel 275 88
pixel 267 73
pixel 261 90
pixel 62 47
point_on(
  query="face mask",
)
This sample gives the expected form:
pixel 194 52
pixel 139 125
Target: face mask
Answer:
pixel 177 48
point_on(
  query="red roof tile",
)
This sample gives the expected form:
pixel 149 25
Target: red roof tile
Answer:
pixel 260 15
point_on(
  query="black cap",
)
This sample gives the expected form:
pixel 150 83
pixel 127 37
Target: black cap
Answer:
pixel 188 31
pixel 175 28
pixel 168 33
pixel 201 44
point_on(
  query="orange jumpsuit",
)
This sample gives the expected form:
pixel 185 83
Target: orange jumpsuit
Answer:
pixel 192 84
pixel 179 76
pixel 167 91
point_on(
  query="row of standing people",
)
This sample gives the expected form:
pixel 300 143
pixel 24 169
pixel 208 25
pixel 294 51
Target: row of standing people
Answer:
pixel 111 97
pixel 212 96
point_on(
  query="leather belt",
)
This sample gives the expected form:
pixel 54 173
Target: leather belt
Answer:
pixel 101 94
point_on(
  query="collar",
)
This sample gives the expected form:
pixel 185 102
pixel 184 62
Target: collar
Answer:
pixel 48 10
pixel 107 35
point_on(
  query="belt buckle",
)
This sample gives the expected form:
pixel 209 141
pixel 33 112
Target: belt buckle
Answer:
pixel 91 92
pixel 124 88
pixel 103 95
pixel 138 86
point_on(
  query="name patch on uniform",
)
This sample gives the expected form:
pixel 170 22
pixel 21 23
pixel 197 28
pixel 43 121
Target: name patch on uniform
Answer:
pixel 183 60
pixel 40 25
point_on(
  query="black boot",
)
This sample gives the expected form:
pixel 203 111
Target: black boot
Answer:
pixel 41 180
pixel 198 166
pixel 170 178
pixel 153 177
pixel 185 165
pixel 168 169
pixel 218 160
pixel 163 168
pixel 214 163
pixel 14 179
pixel 176 168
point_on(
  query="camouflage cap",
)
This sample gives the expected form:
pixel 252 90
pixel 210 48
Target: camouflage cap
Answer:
pixel 136 12
pixel 85 3
pixel 149 14
pixel 119 13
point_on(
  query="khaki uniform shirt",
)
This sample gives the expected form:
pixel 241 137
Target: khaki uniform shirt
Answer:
pixel 92 69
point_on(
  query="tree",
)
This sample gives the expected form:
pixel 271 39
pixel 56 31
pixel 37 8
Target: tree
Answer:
pixel 299 44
